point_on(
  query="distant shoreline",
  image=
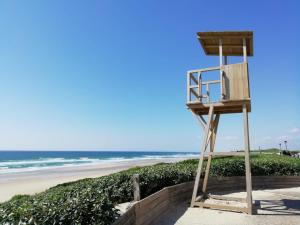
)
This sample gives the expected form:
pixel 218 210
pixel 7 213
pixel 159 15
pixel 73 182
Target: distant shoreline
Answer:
pixel 27 161
pixel 32 182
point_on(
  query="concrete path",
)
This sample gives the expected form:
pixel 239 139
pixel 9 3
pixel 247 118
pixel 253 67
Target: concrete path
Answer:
pixel 272 207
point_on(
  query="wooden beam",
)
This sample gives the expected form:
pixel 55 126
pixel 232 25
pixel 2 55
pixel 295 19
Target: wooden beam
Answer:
pixel 207 93
pixel 221 51
pixel 204 70
pixel 247 160
pixel 194 93
pixel 227 198
pixel 200 86
pixel 136 187
pixel 224 46
pixel 200 119
pixel 188 84
pixel 199 198
pixel 193 78
pixel 211 82
pixel 197 180
pixel 221 70
pixel 212 146
pixel 221 207
pixel 223 88
pixel 203 123
pixel 244 50
pixel 224 154
pixel 225 59
pixel 227 37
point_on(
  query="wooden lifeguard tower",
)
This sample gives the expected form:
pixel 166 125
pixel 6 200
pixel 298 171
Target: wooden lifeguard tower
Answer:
pixel 234 97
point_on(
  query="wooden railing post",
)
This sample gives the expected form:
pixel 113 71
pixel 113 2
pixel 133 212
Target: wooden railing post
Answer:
pixel 221 66
pixel 188 82
pixel 136 187
pixel 200 86
pixel 207 93
pixel 244 50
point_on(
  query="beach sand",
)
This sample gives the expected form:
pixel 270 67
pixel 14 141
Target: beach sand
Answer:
pixel 37 181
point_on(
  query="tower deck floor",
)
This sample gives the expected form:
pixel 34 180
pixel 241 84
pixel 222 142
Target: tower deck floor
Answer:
pixel 222 107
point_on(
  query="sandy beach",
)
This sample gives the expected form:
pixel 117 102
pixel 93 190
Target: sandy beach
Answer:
pixel 37 181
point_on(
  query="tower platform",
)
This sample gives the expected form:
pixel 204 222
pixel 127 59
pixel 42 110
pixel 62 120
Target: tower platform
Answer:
pixel 223 107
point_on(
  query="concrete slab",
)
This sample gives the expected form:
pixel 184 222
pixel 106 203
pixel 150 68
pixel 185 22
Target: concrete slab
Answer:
pixel 276 207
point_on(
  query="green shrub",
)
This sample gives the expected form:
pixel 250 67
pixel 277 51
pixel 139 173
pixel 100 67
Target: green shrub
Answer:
pixel 92 201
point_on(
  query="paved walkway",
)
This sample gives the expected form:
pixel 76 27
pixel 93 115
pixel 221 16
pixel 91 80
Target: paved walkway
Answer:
pixel 272 207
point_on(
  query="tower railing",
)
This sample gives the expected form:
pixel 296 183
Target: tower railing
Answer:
pixel 195 85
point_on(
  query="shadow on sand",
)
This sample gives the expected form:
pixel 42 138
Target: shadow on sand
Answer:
pixel 277 207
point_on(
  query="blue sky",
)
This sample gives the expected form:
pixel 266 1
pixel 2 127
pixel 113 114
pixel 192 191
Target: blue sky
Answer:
pixel 110 75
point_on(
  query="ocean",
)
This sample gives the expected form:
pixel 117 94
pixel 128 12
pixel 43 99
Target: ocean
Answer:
pixel 22 161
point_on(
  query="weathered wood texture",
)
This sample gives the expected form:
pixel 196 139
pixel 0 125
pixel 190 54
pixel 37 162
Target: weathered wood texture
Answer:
pixel 149 210
pixel 223 107
pixel 232 42
pixel 136 187
pixel 236 82
pixel 235 91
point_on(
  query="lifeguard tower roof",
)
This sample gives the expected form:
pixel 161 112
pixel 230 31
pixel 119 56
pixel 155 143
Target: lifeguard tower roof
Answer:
pixel 232 42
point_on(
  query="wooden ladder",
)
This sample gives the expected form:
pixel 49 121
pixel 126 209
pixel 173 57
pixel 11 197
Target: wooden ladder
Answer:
pixel 210 131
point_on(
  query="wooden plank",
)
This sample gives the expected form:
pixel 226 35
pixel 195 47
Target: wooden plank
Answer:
pixel 232 42
pixel 227 198
pixel 221 51
pixel 128 218
pixel 228 37
pixel 212 146
pixel 197 180
pixel 204 69
pixel 211 82
pixel 224 90
pixel 199 198
pixel 228 103
pixel 236 82
pixel 244 50
pixel 221 70
pixel 207 93
pixel 156 220
pixel 193 78
pixel 199 119
pixel 200 86
pixel 194 93
pixel 193 86
pixel 221 207
pixel 207 154
pixel 202 110
pixel 188 83
pixel 146 215
pixel 239 46
pixel 247 160
pixel 175 196
pixel 225 60
pixel 156 198
pixel 136 187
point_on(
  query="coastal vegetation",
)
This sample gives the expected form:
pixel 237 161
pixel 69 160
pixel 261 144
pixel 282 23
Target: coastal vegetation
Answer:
pixel 93 201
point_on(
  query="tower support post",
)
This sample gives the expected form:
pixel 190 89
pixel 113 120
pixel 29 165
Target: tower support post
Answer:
pixel 210 132
pixel 212 148
pixel 206 139
pixel 247 160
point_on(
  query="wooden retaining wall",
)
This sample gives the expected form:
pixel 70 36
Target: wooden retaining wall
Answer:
pixel 148 210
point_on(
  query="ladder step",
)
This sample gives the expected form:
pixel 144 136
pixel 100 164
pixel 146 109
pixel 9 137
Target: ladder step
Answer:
pixel 222 207
pixel 227 198
pixel 206 154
